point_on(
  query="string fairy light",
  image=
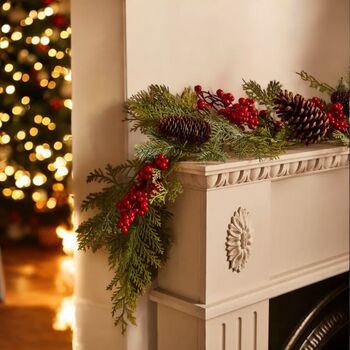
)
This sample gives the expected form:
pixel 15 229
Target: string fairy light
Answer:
pixel 35 82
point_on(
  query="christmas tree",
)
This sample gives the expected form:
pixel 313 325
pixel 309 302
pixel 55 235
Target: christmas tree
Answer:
pixel 35 111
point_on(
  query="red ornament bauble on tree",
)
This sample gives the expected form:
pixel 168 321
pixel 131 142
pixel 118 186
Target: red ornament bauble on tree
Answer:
pixel 34 76
pixel 48 2
pixel 59 21
pixel 42 48
pixel 56 103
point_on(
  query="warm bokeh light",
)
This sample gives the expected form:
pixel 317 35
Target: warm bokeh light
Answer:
pixel 65 316
pixel 69 240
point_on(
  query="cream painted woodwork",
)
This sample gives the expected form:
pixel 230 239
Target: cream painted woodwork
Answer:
pixel 99 137
pixel 298 205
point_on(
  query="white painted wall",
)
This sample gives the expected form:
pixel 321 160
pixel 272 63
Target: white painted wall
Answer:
pixel 217 43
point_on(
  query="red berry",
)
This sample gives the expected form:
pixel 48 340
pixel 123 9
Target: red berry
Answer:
pixel 222 111
pixel 226 102
pixel 279 125
pixel 220 93
pixel 163 165
pixel 56 103
pixel 228 96
pixel 198 89
pixel 338 106
pixel 337 117
pixel 59 20
pixel 201 104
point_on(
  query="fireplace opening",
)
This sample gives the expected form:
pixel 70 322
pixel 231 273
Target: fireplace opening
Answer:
pixel 313 317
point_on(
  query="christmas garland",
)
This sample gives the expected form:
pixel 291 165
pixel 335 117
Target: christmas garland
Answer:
pixel 132 220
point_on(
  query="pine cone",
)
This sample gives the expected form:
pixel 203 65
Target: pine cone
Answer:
pixel 185 128
pixel 342 97
pixel 307 122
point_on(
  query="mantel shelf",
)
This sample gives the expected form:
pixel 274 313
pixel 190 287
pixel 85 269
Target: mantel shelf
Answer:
pixel 296 161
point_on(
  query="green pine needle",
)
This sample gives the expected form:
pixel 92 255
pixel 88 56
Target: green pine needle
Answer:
pixel 264 97
pixel 316 84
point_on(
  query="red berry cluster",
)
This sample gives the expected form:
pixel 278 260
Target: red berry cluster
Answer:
pixel 161 162
pixel 337 117
pixel 242 113
pixel 136 201
pixel 318 102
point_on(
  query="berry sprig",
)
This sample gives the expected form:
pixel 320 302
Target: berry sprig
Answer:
pixel 242 113
pixel 337 117
pixel 318 102
pixel 268 120
pixel 161 162
pixel 136 201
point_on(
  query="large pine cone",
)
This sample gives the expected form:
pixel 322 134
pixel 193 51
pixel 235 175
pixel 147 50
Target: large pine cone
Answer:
pixel 342 97
pixel 307 122
pixel 185 129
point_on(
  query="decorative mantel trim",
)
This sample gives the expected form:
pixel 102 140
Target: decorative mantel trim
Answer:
pixel 238 240
pixel 296 162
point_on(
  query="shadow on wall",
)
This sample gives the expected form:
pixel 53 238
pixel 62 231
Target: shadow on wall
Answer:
pixel 326 52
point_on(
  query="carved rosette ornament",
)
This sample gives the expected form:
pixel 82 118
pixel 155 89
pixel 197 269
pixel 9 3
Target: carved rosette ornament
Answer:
pixel 238 240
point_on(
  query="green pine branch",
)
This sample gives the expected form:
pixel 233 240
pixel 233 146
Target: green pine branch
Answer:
pixel 341 139
pixel 110 174
pixel 264 97
pixel 316 84
pixel 145 108
pixel 95 232
pixel 136 266
pixel 260 145
pixel 149 150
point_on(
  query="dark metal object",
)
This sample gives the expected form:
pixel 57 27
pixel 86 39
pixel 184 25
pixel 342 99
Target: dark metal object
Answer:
pixel 322 323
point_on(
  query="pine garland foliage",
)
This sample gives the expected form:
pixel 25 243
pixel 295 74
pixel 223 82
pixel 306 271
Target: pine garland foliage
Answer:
pixel 148 106
pixel 341 139
pixel 264 97
pixel 226 139
pixel 137 255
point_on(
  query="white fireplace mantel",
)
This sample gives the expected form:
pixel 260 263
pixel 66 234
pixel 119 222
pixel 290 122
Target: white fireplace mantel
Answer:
pixel 298 221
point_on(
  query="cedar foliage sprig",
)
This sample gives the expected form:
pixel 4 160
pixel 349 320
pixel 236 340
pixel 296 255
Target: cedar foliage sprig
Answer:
pixel 316 84
pixel 264 97
pixel 135 257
